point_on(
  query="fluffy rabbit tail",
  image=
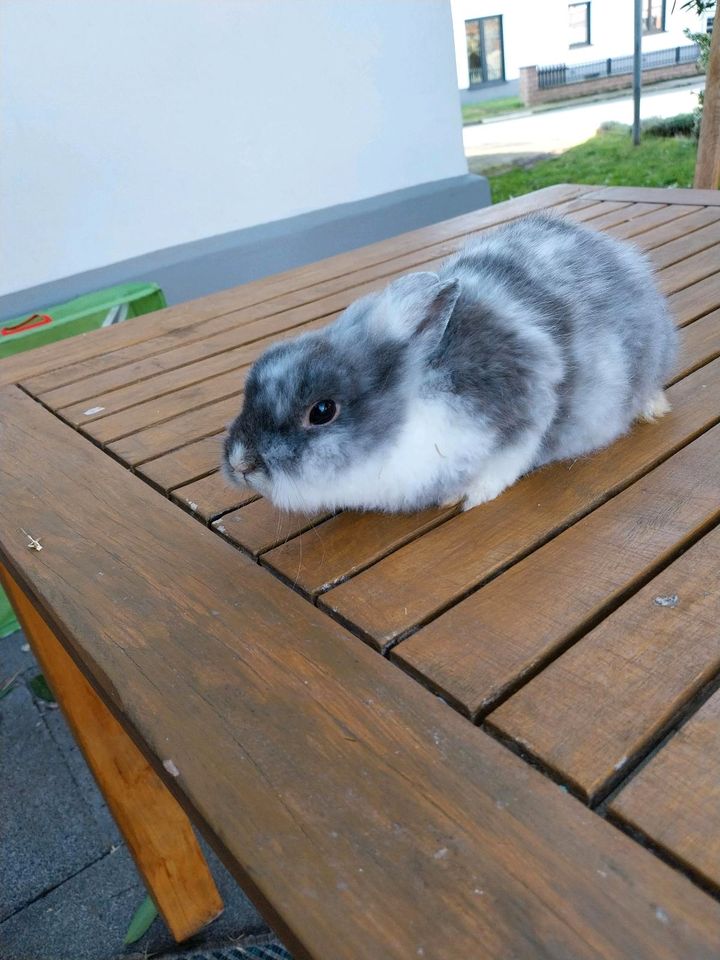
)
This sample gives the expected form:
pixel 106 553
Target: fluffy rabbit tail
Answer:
pixel 657 406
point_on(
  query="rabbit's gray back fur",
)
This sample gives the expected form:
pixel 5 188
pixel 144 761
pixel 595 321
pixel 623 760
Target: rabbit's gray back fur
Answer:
pixel 598 304
pixel 543 340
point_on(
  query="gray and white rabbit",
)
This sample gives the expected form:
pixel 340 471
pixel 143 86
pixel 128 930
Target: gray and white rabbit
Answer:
pixel 542 341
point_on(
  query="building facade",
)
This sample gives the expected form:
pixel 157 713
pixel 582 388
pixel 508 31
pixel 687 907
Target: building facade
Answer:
pixel 495 38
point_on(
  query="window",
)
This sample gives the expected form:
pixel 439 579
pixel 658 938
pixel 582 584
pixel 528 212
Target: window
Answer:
pixel 486 60
pixel 653 16
pixel 579 14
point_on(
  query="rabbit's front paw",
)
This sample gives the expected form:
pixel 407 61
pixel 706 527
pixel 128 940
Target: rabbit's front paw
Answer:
pixel 484 490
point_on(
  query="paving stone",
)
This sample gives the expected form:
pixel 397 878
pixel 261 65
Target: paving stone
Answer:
pixel 80 772
pixel 13 658
pixel 48 830
pixel 86 918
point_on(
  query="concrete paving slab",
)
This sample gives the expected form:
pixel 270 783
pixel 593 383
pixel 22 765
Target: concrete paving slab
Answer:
pixel 85 785
pixel 86 918
pixel 49 832
pixel 13 658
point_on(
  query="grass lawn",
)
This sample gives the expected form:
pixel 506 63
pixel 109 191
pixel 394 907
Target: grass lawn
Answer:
pixel 609 158
pixel 476 112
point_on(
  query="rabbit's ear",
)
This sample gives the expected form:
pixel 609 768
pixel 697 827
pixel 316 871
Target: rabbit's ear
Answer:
pixel 417 307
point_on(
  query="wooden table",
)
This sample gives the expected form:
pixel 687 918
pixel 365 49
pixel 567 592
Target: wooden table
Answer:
pixel 488 735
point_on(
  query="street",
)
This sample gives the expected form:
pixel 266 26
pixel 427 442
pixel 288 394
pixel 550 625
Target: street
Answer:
pixel 501 142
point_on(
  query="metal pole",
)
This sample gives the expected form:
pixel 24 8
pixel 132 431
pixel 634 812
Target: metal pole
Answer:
pixel 637 71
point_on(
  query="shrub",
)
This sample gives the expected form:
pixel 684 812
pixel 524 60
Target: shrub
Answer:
pixel 681 125
pixel 613 126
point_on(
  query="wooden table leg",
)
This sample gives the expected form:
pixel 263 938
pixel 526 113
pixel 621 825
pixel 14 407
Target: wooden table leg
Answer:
pixel 156 829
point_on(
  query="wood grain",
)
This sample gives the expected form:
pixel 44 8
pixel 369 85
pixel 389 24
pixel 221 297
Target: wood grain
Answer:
pixel 347 544
pixel 155 828
pixel 158 410
pixel 259 526
pixel 675 799
pixel 415 583
pixel 588 213
pixel 676 229
pixel 211 496
pixel 699 344
pixel 690 270
pixel 686 246
pixel 660 216
pixel 80 380
pixel 165 381
pixel 639 669
pixel 177 432
pixel 696 300
pixel 503 634
pixel 615 214
pixel 184 465
pixel 347 800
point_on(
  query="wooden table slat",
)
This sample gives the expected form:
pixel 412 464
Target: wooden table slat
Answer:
pixel 151 378
pixel 184 465
pixel 639 669
pixel 259 526
pixel 675 799
pixel 685 246
pixel 699 344
pixel 438 570
pixel 699 266
pixel 211 496
pixel 614 215
pixel 153 412
pixel 347 544
pixel 696 300
pixel 165 437
pixel 677 228
pixel 660 216
pixel 484 647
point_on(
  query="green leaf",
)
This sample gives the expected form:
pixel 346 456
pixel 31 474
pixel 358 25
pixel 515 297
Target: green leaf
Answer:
pixel 40 688
pixel 141 921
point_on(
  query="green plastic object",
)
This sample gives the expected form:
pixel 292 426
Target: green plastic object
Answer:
pixel 85 313
pixel 80 315
pixel 8 622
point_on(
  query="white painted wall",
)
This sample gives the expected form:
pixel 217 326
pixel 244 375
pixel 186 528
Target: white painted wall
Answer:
pixel 537 31
pixel 129 126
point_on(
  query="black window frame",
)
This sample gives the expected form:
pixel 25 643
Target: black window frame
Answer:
pixel 647 31
pixel 588 41
pixel 484 82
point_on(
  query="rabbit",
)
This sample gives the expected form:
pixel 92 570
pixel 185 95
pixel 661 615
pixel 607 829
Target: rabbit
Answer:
pixel 542 341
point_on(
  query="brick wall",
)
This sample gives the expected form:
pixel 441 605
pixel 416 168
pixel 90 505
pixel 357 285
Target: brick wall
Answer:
pixel 531 94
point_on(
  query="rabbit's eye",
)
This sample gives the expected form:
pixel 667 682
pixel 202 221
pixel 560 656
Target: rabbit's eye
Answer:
pixel 322 412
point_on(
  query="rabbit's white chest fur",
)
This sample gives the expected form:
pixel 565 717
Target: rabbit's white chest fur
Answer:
pixel 437 449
